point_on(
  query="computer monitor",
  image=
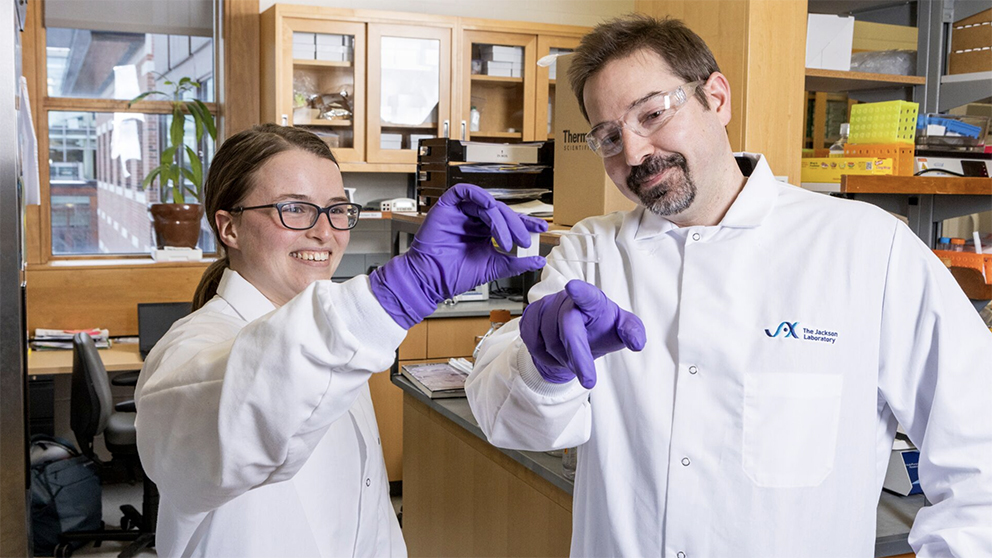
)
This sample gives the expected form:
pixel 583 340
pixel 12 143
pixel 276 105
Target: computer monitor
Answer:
pixel 154 319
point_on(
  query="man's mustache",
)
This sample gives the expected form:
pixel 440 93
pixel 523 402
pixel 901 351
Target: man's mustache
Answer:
pixel 656 164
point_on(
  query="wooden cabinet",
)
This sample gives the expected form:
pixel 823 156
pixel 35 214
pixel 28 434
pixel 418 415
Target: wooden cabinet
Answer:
pixel 407 76
pixel 547 80
pixel 500 78
pixel 433 340
pixel 409 89
pixel 314 78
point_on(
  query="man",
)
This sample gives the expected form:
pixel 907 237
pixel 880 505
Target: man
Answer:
pixel 747 403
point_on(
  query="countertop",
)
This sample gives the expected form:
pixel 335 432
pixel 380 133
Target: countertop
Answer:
pixel 894 517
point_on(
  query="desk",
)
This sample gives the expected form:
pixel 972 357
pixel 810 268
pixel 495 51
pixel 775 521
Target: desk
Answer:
pixel 119 358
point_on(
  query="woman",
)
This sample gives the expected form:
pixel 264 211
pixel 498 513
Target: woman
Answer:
pixel 254 415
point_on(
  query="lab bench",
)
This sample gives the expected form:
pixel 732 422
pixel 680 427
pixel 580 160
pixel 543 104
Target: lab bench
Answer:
pixel 464 497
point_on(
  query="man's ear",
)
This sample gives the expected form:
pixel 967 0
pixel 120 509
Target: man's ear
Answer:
pixel 717 90
pixel 227 228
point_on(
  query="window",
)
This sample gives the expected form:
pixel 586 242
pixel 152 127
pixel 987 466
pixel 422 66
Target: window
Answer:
pixel 99 149
pixel 97 161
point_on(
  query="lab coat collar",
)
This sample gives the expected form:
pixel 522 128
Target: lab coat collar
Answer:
pixel 755 201
pixel 748 211
pixel 246 300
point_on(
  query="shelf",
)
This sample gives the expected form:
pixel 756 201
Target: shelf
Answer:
pixel 322 63
pixel 325 123
pixel 922 185
pixel 410 126
pixel 511 135
pixel 496 79
pixel 961 89
pixel 835 81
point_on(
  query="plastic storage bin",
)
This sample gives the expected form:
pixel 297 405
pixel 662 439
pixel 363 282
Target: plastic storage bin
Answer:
pixel 888 122
pixel 902 155
pixel 957 131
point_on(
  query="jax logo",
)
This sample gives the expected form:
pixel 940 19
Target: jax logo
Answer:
pixel 790 330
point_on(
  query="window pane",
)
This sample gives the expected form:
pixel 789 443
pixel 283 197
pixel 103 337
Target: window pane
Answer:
pixel 97 162
pixel 112 65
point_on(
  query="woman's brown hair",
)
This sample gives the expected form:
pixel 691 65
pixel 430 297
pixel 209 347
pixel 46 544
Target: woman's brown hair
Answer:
pixel 232 177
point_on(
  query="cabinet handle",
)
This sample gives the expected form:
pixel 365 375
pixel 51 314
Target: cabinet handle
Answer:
pixel 447 125
pixel 285 120
pixel 464 128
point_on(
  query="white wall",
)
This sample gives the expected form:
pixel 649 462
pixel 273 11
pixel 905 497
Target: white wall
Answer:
pixel 568 12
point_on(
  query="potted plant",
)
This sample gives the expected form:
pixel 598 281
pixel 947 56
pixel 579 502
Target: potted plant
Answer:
pixel 180 173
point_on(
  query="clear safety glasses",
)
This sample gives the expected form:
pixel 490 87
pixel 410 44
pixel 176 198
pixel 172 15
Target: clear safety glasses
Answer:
pixel 300 216
pixel 644 119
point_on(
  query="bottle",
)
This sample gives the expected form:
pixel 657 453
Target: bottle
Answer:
pixel 474 120
pixel 837 149
pixel 496 320
pixel 943 243
pixel 957 245
pixel 569 457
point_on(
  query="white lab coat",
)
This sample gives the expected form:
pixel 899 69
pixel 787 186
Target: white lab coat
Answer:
pixel 720 439
pixel 257 425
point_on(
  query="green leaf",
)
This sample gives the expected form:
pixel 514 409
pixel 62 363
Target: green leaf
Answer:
pixel 142 96
pixel 185 81
pixel 151 176
pixel 208 119
pixel 194 109
pixel 195 166
pixel 177 131
pixel 168 156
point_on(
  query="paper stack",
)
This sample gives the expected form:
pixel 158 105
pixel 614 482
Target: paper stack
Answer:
pixel 46 339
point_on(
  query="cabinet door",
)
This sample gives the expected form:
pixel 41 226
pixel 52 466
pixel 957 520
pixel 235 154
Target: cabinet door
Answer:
pixel 326 92
pixel 409 89
pixel 498 71
pixel 546 83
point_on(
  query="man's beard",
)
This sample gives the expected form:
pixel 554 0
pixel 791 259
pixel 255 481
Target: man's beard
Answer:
pixel 672 195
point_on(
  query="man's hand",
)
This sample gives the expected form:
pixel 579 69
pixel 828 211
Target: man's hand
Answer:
pixel 453 253
pixel 565 332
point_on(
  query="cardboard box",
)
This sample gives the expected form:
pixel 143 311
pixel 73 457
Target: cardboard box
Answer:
pixel 902 476
pixel 830 170
pixel 582 188
pixel 828 42
pixel 971 44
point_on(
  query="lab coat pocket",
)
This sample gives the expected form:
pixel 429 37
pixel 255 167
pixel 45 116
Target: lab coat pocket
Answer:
pixel 790 428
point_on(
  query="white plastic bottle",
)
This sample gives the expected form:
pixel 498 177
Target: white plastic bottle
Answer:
pixel 474 119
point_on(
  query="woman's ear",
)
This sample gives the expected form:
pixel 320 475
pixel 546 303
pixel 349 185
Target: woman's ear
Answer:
pixel 718 95
pixel 227 228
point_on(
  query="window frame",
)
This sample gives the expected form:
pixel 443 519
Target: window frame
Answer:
pixel 39 236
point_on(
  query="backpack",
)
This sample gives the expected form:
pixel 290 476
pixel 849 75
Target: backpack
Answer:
pixel 65 493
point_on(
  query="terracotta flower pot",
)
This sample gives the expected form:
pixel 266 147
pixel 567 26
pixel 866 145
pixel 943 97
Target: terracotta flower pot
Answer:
pixel 176 224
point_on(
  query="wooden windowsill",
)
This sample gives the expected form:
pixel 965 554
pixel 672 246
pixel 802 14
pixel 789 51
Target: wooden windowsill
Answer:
pixel 82 263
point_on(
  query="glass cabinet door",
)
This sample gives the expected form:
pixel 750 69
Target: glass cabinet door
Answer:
pixel 498 72
pixel 409 89
pixel 327 96
pixel 547 79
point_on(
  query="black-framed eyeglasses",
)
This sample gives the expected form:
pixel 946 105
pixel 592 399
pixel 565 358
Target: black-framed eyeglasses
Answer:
pixel 300 216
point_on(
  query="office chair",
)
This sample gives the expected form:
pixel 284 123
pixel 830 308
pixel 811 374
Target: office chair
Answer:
pixel 92 413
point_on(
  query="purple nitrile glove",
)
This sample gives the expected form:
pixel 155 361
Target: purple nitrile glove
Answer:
pixel 565 332
pixel 453 253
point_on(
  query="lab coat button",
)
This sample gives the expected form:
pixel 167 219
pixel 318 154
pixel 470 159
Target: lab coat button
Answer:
pixel 695 236
pixel 681 554
pixel 685 461
pixel 693 370
pixel 368 482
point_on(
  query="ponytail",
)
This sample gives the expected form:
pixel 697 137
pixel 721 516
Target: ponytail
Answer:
pixel 209 282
